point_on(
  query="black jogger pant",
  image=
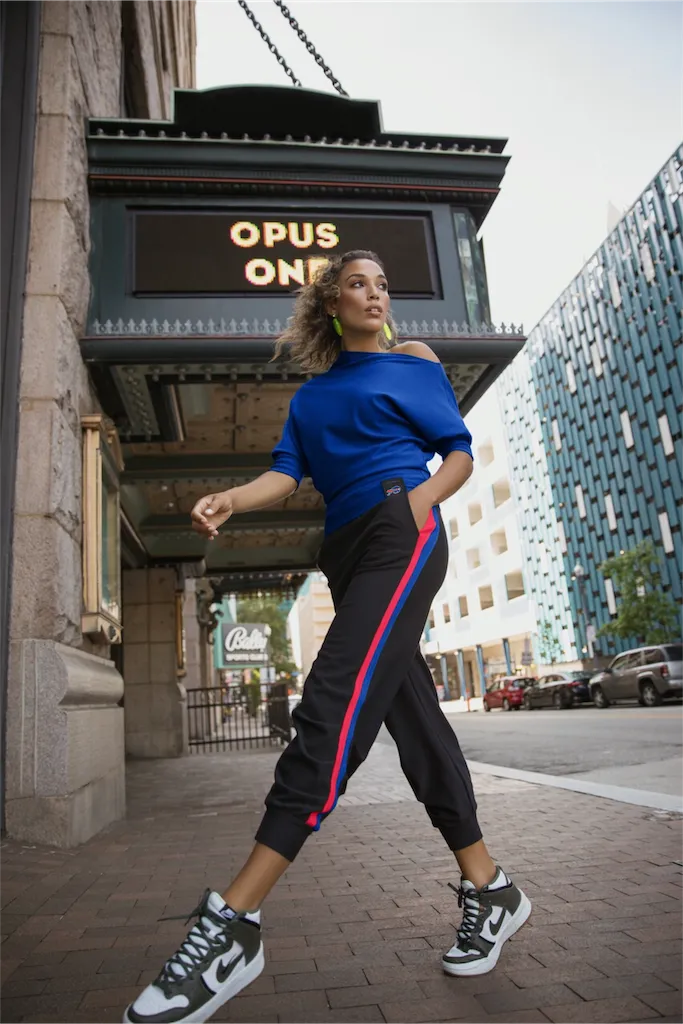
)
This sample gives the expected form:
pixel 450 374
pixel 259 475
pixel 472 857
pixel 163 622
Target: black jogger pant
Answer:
pixel 383 573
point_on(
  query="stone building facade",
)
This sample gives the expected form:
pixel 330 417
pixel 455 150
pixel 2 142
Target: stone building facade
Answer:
pixel 64 719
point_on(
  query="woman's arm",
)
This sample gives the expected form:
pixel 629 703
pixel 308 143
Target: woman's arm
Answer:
pixel 215 509
pixel 455 471
pixel 457 465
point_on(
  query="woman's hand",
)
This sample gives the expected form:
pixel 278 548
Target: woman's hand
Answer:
pixel 211 512
pixel 421 505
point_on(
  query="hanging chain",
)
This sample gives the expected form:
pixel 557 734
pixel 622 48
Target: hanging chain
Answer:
pixel 269 43
pixel 287 14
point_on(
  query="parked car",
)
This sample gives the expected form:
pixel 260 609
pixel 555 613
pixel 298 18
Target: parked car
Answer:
pixel 559 690
pixel 507 693
pixel 645 674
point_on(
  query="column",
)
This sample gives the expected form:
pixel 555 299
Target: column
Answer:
pixel 482 670
pixel 461 673
pixel 508 659
pixel 444 677
pixel 154 699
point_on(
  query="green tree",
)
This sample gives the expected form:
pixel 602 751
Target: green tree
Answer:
pixel 549 647
pixel 643 610
pixel 268 609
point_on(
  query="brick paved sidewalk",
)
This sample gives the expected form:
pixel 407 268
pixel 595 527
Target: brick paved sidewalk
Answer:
pixel 356 930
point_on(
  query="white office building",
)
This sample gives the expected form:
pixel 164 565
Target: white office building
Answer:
pixel 482 620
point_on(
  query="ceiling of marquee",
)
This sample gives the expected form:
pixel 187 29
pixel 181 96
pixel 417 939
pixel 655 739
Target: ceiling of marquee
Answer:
pixel 229 431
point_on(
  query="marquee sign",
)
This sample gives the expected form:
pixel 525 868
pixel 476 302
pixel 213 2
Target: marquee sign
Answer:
pixel 244 252
pixel 244 644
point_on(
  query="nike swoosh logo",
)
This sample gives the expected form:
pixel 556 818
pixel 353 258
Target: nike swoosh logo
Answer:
pixel 495 928
pixel 223 970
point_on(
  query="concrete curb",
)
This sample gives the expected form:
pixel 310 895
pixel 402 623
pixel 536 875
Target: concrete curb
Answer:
pixel 623 794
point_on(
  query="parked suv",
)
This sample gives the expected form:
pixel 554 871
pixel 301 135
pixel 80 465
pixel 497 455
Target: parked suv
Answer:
pixel 645 674
pixel 507 693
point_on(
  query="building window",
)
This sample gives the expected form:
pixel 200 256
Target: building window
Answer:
pixel 665 529
pixel 446 612
pixel 514 585
pixel 556 436
pixel 609 509
pixel 472 268
pixel 543 557
pixel 499 542
pixel 562 536
pixel 485 598
pixel 609 591
pixel 473 559
pixel 501 493
pixel 431 621
pixel 615 291
pixel 665 434
pixel 646 262
pixel 453 526
pixel 485 453
pixel 626 429
pixel 597 361
pixel 571 379
pixel 580 503
pixel 462 604
pixel 474 512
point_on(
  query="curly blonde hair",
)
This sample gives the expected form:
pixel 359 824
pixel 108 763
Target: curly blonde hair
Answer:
pixel 313 343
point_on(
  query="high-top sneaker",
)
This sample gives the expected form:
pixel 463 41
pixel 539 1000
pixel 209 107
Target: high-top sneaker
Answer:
pixel 491 915
pixel 221 955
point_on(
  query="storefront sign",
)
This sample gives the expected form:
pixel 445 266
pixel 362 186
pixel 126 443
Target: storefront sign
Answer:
pixel 244 643
pixel 245 252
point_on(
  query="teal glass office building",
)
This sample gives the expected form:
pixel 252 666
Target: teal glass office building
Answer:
pixel 593 409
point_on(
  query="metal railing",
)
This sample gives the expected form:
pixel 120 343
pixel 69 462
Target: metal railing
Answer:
pixel 222 718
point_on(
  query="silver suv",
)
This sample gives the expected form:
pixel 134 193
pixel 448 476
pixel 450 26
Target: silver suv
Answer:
pixel 645 674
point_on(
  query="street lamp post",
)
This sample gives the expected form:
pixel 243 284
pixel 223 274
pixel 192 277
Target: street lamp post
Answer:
pixel 580 575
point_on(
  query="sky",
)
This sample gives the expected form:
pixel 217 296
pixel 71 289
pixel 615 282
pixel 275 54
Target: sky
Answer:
pixel 589 95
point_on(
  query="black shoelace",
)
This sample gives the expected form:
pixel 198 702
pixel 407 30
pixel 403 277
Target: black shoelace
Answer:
pixel 469 899
pixel 193 951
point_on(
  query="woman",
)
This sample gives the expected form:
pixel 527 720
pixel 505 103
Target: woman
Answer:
pixel 364 430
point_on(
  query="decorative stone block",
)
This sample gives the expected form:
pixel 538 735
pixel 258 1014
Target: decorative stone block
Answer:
pixel 65 767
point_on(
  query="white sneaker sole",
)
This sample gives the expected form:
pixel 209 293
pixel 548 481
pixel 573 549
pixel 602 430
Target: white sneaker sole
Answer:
pixel 232 987
pixel 483 966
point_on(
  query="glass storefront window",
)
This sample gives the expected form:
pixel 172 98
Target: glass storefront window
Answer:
pixel 111 568
pixel 102 465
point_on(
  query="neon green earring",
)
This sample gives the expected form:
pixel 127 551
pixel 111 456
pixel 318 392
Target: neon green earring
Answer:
pixel 336 323
pixel 387 331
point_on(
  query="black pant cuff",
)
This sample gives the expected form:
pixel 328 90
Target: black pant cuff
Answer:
pixel 282 833
pixel 463 834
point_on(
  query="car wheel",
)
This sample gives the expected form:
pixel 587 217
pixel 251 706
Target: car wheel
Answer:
pixel 651 696
pixel 486 707
pixel 506 704
pixel 560 701
pixel 528 706
pixel 599 698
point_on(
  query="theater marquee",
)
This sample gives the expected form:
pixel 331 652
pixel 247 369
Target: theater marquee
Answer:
pixel 244 252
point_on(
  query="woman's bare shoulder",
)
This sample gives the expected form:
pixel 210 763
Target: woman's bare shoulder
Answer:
pixel 416 348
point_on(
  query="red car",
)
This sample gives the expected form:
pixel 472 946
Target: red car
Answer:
pixel 507 693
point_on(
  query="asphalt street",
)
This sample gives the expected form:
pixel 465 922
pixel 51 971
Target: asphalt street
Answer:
pixel 623 746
